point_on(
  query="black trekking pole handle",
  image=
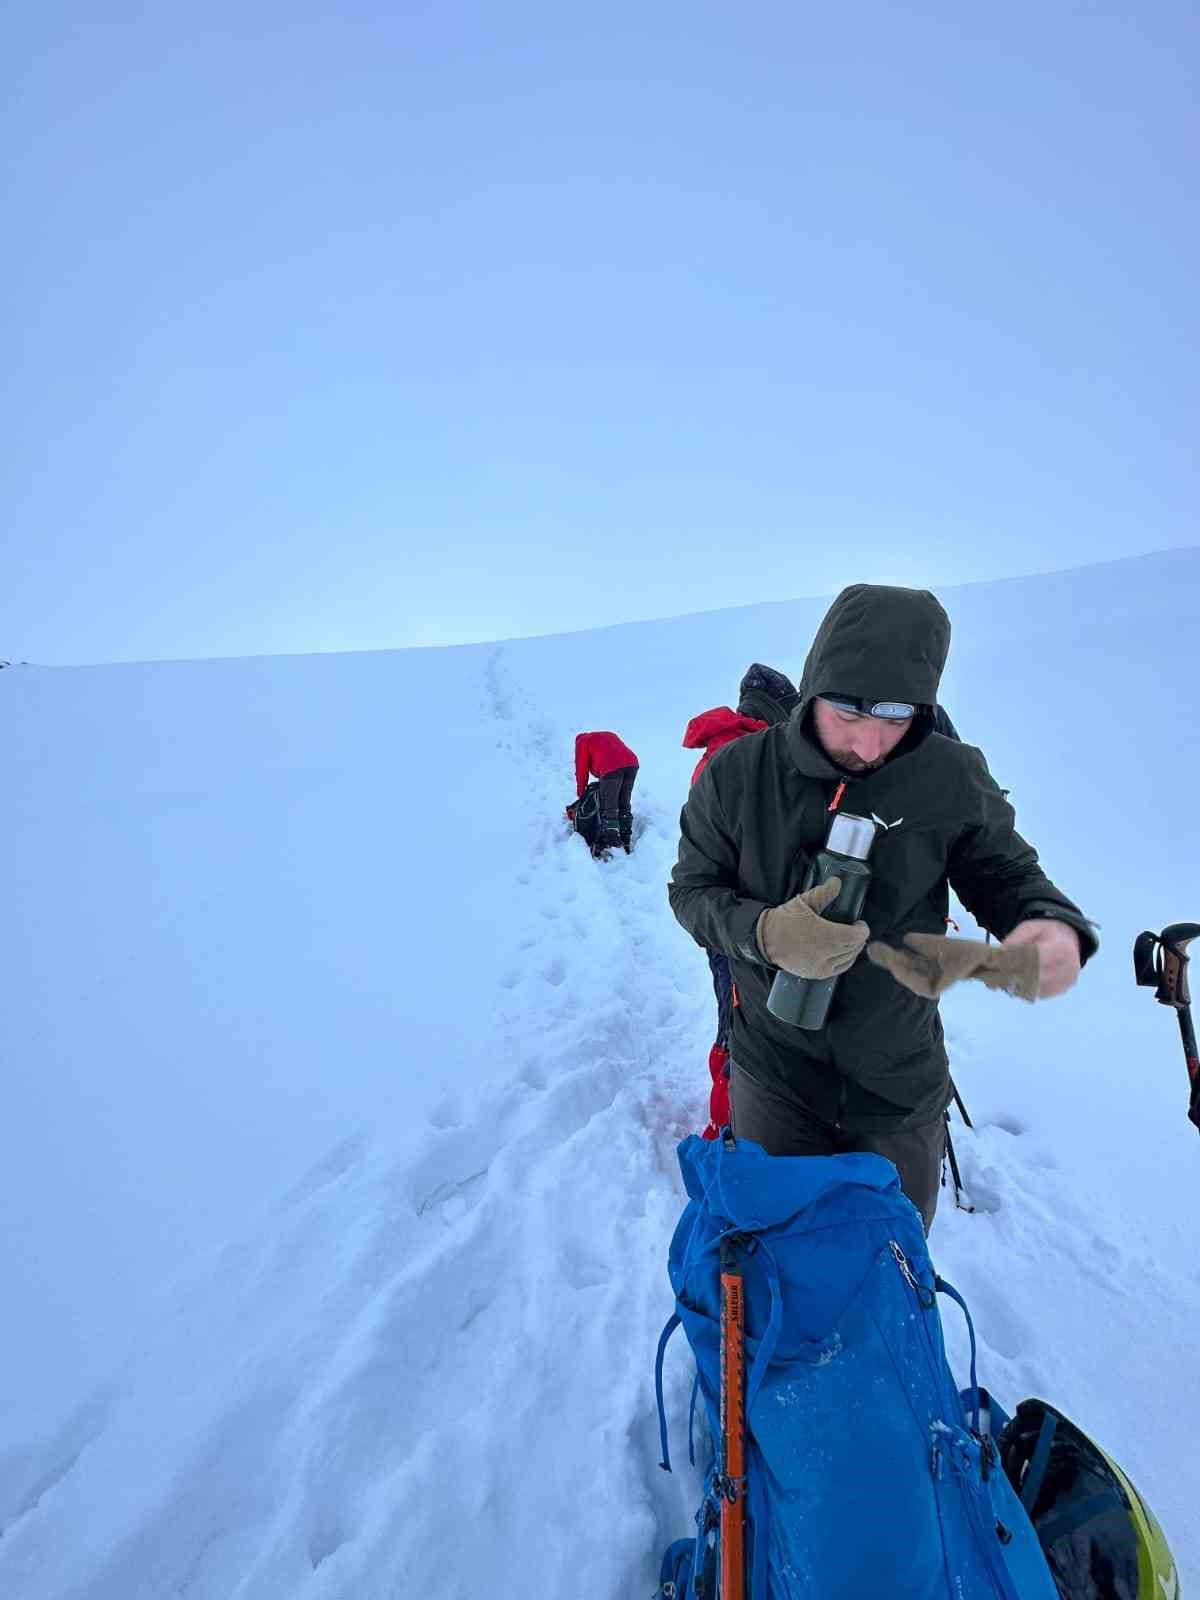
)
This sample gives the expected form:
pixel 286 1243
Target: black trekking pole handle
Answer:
pixel 1160 962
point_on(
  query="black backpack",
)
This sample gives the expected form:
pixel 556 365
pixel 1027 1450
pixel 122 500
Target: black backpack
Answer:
pixel 584 814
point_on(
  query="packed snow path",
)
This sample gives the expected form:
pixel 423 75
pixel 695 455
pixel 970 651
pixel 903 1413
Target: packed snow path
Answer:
pixel 424 1373
pixel 429 1368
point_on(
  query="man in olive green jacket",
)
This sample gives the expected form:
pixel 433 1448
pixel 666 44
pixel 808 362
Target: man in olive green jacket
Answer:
pixel 862 741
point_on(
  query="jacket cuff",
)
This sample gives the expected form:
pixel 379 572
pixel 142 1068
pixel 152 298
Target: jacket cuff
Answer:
pixel 743 923
pixel 1052 911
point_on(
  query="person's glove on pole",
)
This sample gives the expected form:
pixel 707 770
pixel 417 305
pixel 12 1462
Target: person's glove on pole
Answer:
pixel 929 963
pixel 796 937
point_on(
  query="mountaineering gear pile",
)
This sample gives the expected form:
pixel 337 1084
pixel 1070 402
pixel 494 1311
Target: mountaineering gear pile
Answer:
pixel 1101 1540
pixel 756 817
pixel 1160 962
pixel 929 964
pixel 584 815
pixel 866 1473
pixel 796 937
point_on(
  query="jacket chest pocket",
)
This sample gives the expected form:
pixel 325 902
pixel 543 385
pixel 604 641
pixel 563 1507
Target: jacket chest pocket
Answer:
pixel 908 871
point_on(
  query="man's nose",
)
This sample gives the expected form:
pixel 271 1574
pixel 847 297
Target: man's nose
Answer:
pixel 868 744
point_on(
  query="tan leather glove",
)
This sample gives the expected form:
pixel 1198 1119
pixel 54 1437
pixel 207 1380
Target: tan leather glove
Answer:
pixel 796 937
pixel 929 964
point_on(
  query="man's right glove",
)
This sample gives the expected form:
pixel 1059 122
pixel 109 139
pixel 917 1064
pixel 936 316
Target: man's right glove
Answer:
pixel 796 937
pixel 930 963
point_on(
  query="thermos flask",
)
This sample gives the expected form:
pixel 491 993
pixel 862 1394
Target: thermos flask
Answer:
pixel 804 1002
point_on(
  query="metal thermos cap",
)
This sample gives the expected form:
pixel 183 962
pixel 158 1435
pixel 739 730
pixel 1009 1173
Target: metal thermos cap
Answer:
pixel 851 836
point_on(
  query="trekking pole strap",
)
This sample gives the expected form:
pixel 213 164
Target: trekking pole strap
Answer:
pixel 1160 962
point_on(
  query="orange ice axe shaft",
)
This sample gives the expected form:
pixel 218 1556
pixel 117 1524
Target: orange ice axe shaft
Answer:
pixel 733 1427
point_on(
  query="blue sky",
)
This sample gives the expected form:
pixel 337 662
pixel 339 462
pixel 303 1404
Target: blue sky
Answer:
pixel 423 323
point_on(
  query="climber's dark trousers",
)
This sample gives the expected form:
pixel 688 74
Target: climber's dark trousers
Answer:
pixel 616 792
pixel 785 1127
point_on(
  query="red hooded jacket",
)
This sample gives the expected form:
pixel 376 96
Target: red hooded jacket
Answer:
pixel 712 729
pixel 600 753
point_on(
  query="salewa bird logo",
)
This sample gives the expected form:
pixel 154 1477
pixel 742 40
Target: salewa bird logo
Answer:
pixel 886 825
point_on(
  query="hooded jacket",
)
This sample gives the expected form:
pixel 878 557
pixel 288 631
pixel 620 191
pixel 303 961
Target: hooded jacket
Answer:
pixel 766 696
pixel 755 819
pixel 714 729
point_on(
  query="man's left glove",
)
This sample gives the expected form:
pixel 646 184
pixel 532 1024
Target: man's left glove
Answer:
pixel 930 963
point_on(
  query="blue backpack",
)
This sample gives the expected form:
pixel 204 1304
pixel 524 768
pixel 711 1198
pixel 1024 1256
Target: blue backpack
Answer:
pixel 868 1476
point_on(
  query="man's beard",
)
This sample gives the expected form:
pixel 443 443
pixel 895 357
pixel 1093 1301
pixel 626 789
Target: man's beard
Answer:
pixel 853 763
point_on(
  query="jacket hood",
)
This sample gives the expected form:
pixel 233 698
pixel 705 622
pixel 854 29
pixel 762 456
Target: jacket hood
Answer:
pixel 719 723
pixel 878 643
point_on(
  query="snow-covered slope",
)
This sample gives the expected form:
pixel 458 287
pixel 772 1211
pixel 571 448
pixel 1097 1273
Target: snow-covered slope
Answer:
pixel 342 1090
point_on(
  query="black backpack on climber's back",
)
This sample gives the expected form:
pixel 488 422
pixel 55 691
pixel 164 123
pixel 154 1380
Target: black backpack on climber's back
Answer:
pixel 584 814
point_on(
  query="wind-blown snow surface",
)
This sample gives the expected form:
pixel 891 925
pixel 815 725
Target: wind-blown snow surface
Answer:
pixel 343 1086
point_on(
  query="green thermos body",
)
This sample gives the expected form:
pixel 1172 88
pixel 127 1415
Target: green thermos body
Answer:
pixel 805 1002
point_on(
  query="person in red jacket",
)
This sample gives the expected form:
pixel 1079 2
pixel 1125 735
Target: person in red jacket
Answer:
pixel 612 761
pixel 765 696
pixel 712 729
